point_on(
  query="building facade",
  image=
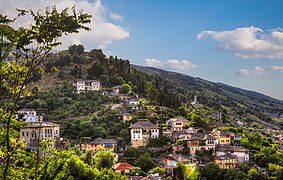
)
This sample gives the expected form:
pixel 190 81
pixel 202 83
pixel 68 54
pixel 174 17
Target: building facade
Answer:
pixel 87 85
pixel 241 153
pixel 199 142
pixel 37 131
pixel 177 123
pixel 142 131
pixel 100 144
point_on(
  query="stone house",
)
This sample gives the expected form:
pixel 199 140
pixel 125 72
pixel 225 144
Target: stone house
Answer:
pixel 142 131
pixel 200 141
pixel 37 131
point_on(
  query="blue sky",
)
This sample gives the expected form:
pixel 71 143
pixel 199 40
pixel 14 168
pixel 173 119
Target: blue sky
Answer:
pixel 239 43
pixel 167 30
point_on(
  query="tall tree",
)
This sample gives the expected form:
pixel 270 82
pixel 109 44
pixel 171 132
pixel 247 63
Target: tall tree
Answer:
pixel 29 46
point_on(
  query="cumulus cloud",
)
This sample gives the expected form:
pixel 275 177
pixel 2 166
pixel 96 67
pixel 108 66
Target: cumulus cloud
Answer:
pixel 116 17
pixel 249 42
pixel 103 31
pixel 153 62
pixel 171 64
pixel 276 68
pixel 247 72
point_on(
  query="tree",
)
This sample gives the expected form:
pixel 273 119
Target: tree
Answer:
pixel 211 171
pixel 126 88
pixel 145 162
pixel 29 46
pixel 103 159
pixel 151 92
pixel 159 170
pixel 253 174
pixel 181 171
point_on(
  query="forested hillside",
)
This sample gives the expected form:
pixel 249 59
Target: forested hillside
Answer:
pixel 159 86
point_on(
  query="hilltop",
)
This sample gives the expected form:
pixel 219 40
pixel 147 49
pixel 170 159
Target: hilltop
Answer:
pixel 174 89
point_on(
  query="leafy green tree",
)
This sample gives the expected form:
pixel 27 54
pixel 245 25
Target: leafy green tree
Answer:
pixel 211 171
pixel 180 171
pixel 151 92
pixel 15 74
pixel 276 171
pixel 159 170
pixel 103 159
pixel 126 88
pixel 253 174
pixel 145 162
pixel 136 171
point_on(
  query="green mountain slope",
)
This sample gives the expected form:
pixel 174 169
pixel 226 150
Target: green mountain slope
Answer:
pixel 218 95
pixel 168 88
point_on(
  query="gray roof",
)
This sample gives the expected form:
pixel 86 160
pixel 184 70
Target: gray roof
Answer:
pixel 221 133
pixel 201 136
pixel 99 140
pixel 226 157
pixel 26 109
pixel 177 119
pixel 144 125
pixel 41 124
pixel 231 148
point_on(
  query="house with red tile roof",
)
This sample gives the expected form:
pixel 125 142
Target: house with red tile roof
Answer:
pixel 122 167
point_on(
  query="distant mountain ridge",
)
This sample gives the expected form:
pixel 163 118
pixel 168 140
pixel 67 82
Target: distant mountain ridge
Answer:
pixel 220 93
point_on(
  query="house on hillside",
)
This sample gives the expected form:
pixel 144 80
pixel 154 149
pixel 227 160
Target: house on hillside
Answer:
pixel 100 144
pixel 142 131
pixel 125 117
pixel 87 85
pixel 29 115
pixel 222 137
pixel 177 123
pixel 200 141
pixel 226 161
pixel 122 167
pixel 37 131
pixel 241 153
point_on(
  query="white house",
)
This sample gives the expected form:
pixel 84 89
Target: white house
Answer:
pixel 142 131
pixel 29 115
pixel 177 123
pixel 241 152
pixel 87 85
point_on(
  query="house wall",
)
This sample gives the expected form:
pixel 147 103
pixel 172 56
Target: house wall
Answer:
pixel 226 164
pixel 154 133
pixel 137 143
pixel 224 140
pixel 97 147
pixel 178 125
pixel 241 155
pixel 29 135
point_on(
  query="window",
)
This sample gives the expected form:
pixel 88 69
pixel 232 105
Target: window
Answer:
pixel 227 140
pixel 23 133
pixel 27 133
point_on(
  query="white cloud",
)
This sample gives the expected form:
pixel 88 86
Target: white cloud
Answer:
pixel 249 42
pixel 103 32
pixel 116 17
pixel 153 62
pixel 179 64
pixel 247 72
pixel 276 68
pixel 172 64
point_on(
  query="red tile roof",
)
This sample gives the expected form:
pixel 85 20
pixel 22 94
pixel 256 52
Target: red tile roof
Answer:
pixel 122 166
